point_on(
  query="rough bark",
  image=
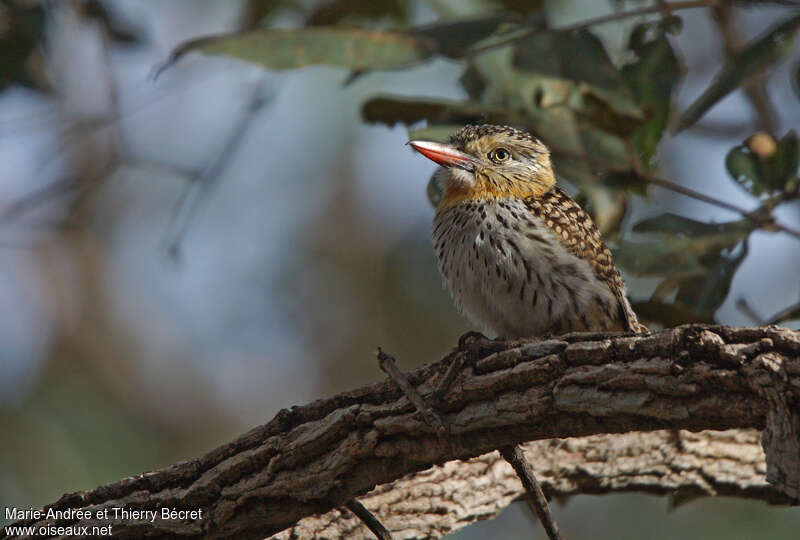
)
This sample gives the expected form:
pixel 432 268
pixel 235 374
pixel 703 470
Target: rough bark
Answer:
pixel 442 499
pixel 311 460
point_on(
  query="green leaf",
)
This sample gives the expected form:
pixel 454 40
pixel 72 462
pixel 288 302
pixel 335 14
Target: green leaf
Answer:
pixel 765 170
pixel 524 7
pixel 606 206
pixel 355 48
pixel 671 24
pixel 508 96
pixel 390 110
pixel 22 28
pixel 473 81
pixel 603 116
pixel 774 45
pixel 455 39
pixel 113 25
pixel 781 167
pixel 706 293
pixel 669 257
pixel 625 180
pixel 652 78
pixel 686 247
pixel 691 253
pixel 571 65
pixel 578 103
pixel 437 133
pixel 674 224
pixel 263 12
pixel 744 168
pixel 669 315
pixel 579 148
pixel 288 49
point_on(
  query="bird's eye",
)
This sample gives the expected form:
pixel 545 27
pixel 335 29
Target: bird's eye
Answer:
pixel 499 155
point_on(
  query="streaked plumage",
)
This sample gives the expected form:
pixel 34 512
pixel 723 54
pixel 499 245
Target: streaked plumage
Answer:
pixel 518 255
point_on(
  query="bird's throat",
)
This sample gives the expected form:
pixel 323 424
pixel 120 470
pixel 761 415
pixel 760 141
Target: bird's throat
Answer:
pixel 488 187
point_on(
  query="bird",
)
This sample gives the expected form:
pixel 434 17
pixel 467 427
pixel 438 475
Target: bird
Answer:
pixel 520 258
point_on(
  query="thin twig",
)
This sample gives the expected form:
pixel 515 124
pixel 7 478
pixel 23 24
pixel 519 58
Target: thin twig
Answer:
pixel 60 188
pixel 668 7
pixel 513 454
pixel 56 189
pixel 660 7
pixel 791 312
pixel 447 379
pixel 672 186
pixel 369 519
pixel 751 313
pixel 763 221
pixel 516 458
pixel 388 365
pixel 726 130
pixel 200 186
pixel 755 217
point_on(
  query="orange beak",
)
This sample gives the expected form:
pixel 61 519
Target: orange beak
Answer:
pixel 444 154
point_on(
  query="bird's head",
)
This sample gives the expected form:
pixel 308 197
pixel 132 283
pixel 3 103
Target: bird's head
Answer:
pixel 489 162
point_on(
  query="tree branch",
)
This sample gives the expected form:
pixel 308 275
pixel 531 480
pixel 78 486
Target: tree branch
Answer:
pixel 312 459
pixel 514 455
pixel 445 498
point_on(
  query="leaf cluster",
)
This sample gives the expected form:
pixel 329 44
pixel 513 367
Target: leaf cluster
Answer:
pixel 602 114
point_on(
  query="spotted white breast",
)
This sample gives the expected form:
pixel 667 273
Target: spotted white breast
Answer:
pixel 510 274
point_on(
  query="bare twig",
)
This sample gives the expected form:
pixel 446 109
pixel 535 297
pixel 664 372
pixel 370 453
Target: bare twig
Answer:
pixel 689 192
pixel 388 365
pixel 723 130
pixel 368 519
pixel 62 187
pixel 199 186
pixel 513 454
pixel 515 458
pixel 791 312
pixel 661 7
pixel 760 219
pixel 748 311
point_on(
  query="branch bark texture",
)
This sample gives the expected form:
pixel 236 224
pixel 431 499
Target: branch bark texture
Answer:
pixel 445 498
pixel 291 474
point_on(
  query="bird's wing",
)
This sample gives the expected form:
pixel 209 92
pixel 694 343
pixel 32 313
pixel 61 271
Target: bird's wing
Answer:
pixel 581 238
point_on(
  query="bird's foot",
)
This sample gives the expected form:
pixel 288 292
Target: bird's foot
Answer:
pixel 472 346
pixel 470 337
pixel 477 345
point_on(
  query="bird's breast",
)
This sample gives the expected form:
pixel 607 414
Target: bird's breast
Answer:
pixel 512 276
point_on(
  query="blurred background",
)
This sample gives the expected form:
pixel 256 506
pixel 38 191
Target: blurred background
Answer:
pixel 184 255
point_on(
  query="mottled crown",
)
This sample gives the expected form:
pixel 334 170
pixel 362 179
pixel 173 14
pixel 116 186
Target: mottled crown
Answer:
pixel 467 134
